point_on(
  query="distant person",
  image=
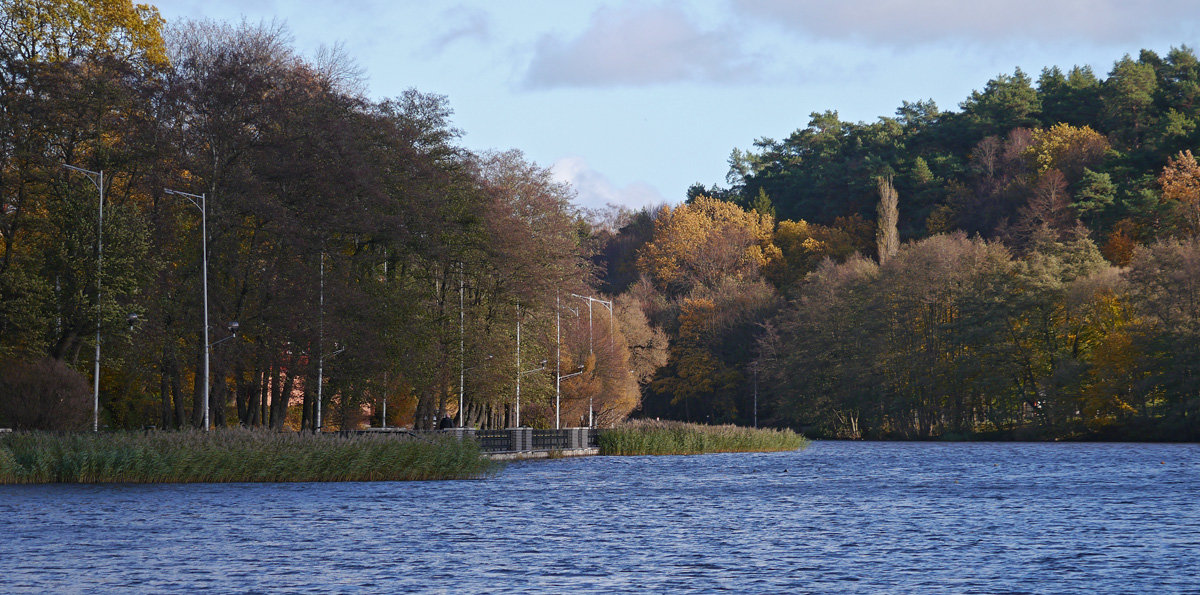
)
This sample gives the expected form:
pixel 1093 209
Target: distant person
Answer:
pixel 446 423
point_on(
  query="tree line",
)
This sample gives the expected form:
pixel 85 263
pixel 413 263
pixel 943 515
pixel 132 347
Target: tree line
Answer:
pixel 352 240
pixel 1026 265
pixel 1023 266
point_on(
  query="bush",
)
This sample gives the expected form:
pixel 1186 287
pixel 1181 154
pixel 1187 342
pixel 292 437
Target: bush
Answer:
pixel 44 394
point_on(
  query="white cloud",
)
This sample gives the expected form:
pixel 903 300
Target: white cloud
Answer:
pixel 595 191
pixel 635 46
pixel 916 22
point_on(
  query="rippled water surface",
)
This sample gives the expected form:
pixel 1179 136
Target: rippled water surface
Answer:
pixel 838 517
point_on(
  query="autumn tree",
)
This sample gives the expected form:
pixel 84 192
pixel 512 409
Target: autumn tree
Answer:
pixel 887 234
pixel 1180 183
pixel 76 84
pixel 1164 281
pixel 701 243
pixel 803 246
pixel 705 264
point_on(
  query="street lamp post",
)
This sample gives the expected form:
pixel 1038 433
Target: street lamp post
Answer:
pixel 755 394
pixel 558 377
pixel 97 178
pixel 320 382
pixel 608 304
pixel 203 206
pixel 462 371
pixel 383 418
pixel 518 413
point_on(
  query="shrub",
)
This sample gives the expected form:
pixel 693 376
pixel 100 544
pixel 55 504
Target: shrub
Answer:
pixel 44 394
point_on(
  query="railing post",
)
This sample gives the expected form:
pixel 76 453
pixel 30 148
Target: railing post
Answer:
pixel 520 439
pixel 576 438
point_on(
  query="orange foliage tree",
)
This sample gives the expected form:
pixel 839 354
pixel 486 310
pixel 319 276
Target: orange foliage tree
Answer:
pixel 1180 181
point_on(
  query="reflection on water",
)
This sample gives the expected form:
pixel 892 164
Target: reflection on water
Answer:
pixel 838 517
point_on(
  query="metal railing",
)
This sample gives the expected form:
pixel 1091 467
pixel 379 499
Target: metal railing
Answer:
pixel 550 440
pixel 507 440
pixel 493 440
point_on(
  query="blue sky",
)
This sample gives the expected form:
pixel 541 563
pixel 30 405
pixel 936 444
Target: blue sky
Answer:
pixel 632 102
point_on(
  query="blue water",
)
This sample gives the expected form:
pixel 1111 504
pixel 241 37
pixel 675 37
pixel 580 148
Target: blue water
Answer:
pixel 838 517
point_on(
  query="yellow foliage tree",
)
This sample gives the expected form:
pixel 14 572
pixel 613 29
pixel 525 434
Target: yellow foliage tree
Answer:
pixel 1109 390
pixel 1067 148
pixel 803 246
pixel 64 30
pixel 704 242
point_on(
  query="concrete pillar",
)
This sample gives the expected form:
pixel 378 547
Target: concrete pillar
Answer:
pixel 520 439
pixel 576 438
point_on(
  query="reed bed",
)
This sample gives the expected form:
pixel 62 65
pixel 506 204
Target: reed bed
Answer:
pixel 645 437
pixel 233 455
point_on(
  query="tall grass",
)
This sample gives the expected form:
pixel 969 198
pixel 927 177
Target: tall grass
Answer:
pixel 233 455
pixel 645 437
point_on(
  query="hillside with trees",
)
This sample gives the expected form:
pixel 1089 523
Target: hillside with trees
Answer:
pixel 1025 266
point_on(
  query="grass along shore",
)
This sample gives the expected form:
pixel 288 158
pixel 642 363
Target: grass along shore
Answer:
pixel 233 455
pixel 646 437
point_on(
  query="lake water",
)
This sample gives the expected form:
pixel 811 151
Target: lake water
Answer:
pixel 837 517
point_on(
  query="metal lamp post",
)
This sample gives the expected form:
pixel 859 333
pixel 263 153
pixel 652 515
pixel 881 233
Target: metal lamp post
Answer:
pixel 755 394
pixel 607 304
pixel 203 206
pixel 233 331
pixel 558 377
pixel 320 382
pixel 97 178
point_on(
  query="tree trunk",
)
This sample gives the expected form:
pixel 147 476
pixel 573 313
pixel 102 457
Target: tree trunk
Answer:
pixel 198 391
pixel 279 402
pixel 164 388
pixel 243 388
pixel 177 393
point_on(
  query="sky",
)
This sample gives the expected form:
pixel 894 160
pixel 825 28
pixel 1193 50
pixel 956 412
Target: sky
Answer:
pixel 633 102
